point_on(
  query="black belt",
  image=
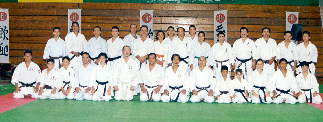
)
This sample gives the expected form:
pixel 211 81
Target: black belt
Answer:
pixel 290 63
pixel 82 86
pixel 50 57
pixel 150 86
pixel 306 62
pixel 266 61
pixel 27 84
pixel 47 87
pixel 242 93
pixel 65 84
pixel 74 56
pixel 183 59
pixel 310 90
pixel 224 92
pixel 220 62
pixel 203 88
pixel 115 58
pixel 176 87
pixel 263 90
pixel 102 83
pixel 282 91
pixel 200 56
pixel 243 61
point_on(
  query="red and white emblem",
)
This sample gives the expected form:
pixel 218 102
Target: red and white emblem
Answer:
pixel 74 17
pixel 146 18
pixel 292 18
pixel 220 17
pixel 3 16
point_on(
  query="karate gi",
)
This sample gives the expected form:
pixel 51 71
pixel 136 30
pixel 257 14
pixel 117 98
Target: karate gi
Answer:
pixel 221 55
pixel 308 54
pixel 129 40
pixel 151 80
pixel 197 51
pixel 261 85
pixel 266 51
pixel 224 89
pixel 141 48
pixel 161 51
pixel 308 87
pixel 95 46
pixel 83 79
pixel 55 50
pixel 76 44
pixel 239 88
pixel 67 79
pixel 101 80
pixel 202 82
pixel 48 82
pixel 284 87
pixel 289 53
pixel 114 49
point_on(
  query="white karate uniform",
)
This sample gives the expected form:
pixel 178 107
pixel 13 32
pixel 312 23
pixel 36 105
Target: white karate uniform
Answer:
pixel 76 44
pixel 129 40
pixel 285 83
pixel 55 49
pixel 266 51
pixel 151 80
pixel 243 51
pixel 83 75
pixel 67 75
pixel 226 86
pixel 240 96
pixel 202 82
pixel 50 80
pixel 181 47
pixel 289 53
pixel 221 53
pixel 197 51
pixel 141 48
pixel 101 80
pixel 126 74
pixel 308 54
pixel 173 80
pixel 114 48
pixel 194 40
pixel 305 85
pixel 95 46
pixel 161 50
pixel 23 75
pixel 260 80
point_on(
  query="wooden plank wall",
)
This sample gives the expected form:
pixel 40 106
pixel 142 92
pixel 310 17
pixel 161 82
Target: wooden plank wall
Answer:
pixel 31 23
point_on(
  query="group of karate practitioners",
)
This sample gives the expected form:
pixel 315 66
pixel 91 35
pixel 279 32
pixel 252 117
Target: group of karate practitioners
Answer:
pixel 173 68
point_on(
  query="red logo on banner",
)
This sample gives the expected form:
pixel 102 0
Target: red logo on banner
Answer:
pixel 3 16
pixel 220 17
pixel 292 18
pixel 146 18
pixel 74 17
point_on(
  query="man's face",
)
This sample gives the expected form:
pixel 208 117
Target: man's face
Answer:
pixel 201 37
pixel 175 61
pixel 266 33
pixel 192 31
pixel 133 28
pixel 306 37
pixel 244 33
pixel 65 63
pixel 171 32
pixel 115 32
pixel 160 36
pixel 50 65
pixel 180 32
pixel 96 32
pixel 304 68
pixel 221 37
pixel 85 58
pixel 202 61
pixel 288 36
pixel 28 57
pixel 143 31
pixel 56 33
pixel 283 65
pixel 239 74
pixel 224 73
pixel 152 59
pixel 75 27
pixel 126 51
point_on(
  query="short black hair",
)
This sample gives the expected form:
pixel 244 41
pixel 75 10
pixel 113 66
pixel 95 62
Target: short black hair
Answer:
pixel 170 27
pixel 97 27
pixel 56 28
pixel 126 46
pixel 238 70
pixel 159 32
pixel 115 27
pixel 181 28
pixel 174 55
pixel 281 60
pixel 192 26
pixel 290 32
pixel 75 23
pixel 50 60
pixel 304 63
pixel 221 32
pixel 152 54
pixel 144 26
pixel 67 58
pixel 242 28
pixel 201 32
pixel 105 55
pixel 28 51
pixel 306 32
pixel 86 53
pixel 264 29
pixel 224 67
pixel 259 60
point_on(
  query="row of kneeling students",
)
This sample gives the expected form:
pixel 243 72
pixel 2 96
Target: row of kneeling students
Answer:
pixel 126 77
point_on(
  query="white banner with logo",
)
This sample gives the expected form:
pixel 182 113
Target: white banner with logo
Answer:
pixel 291 18
pixel 4 36
pixel 146 18
pixel 74 15
pixel 220 24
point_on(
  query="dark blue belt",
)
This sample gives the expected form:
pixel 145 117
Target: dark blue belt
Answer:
pixel 183 59
pixel 242 92
pixel 243 61
pixel 27 84
pixel 102 83
pixel 310 90
pixel 115 58
pixel 263 90
pixel 282 91
pixel 174 88
pixel 203 88
pixel 224 92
